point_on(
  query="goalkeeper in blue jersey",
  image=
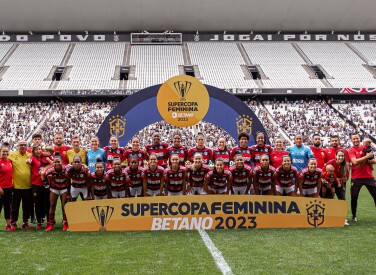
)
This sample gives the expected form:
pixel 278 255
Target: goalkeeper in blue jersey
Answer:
pixel 299 153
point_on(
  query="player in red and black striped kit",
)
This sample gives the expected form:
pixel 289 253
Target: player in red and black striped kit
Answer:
pixel 260 148
pixel 264 177
pixel 59 187
pixel 118 180
pixel 242 149
pixel 174 178
pixel 196 176
pixel 135 151
pixel 100 187
pixel 200 148
pixel 135 174
pixel 152 176
pixel 310 180
pixel 159 149
pixel 178 149
pixel 219 180
pixel 79 174
pixel 286 178
pixel 113 151
pixel 222 153
pixel 241 176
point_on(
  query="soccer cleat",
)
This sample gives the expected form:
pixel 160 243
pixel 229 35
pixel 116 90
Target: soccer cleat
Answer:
pixel 25 225
pixel 354 219
pixel 347 222
pixel 49 227
pixel 65 226
pixel 53 222
pixel 8 228
pixel 39 226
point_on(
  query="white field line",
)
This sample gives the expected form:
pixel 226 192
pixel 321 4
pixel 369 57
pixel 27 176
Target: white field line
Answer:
pixel 216 254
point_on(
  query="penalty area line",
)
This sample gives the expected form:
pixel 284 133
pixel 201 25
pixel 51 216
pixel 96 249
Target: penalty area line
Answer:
pixel 216 254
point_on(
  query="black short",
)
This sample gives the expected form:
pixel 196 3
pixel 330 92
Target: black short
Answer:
pixel 365 181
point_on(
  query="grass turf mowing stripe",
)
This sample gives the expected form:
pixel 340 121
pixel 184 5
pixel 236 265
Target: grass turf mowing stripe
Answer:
pixel 217 255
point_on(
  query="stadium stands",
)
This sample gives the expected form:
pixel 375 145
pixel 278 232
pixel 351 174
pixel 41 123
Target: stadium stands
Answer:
pixel 340 62
pixel 93 66
pixel 281 64
pixel 154 64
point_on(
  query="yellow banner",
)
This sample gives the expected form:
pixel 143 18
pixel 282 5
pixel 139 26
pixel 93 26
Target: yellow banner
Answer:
pixel 204 213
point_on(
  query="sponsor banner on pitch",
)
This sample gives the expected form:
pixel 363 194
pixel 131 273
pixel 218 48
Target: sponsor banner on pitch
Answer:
pixel 205 213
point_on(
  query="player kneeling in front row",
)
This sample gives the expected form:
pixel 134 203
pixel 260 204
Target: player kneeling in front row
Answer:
pixel 286 178
pixel 264 177
pixel 100 189
pixel 330 181
pixel 219 180
pixel 174 178
pixel 79 174
pixel 117 179
pixel 59 187
pixel 241 176
pixel 153 178
pixel 134 173
pixel 310 180
pixel 196 176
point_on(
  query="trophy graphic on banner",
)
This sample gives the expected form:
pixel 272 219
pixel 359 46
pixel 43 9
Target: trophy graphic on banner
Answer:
pixel 102 215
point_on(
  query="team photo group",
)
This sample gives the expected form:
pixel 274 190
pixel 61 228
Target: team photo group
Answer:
pixel 38 175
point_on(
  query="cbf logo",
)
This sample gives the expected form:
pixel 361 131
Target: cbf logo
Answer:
pixel 182 88
pixel 117 126
pixel 244 124
pixel 102 215
pixel 315 213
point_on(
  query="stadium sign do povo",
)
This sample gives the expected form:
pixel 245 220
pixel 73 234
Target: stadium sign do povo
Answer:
pixel 205 213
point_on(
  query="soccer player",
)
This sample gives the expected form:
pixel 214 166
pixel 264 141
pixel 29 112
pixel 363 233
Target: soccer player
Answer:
pixel 158 148
pixel 94 153
pixel 100 187
pixel 59 187
pixel 242 149
pixel 300 154
pixel 309 180
pixel 6 186
pixel 135 174
pixel 61 148
pixel 361 174
pixel 22 185
pixel 341 170
pixel 318 152
pixel 196 173
pixel 241 176
pixel 286 178
pixel 174 178
pixel 177 149
pixel 41 194
pixel 79 174
pixel 200 148
pixel 260 148
pixel 264 177
pixel 334 147
pixel 329 180
pixel 118 179
pixel 218 180
pixel 76 150
pixel 135 151
pixel 153 182
pixel 277 153
pixel 113 151
pixel 222 153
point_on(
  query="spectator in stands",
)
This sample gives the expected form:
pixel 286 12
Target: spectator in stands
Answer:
pixel 361 174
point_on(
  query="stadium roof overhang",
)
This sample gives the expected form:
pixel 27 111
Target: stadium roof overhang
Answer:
pixel 183 15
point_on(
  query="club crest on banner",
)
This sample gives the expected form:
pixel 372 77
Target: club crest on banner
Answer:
pixel 102 215
pixel 117 126
pixel 244 124
pixel 315 213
